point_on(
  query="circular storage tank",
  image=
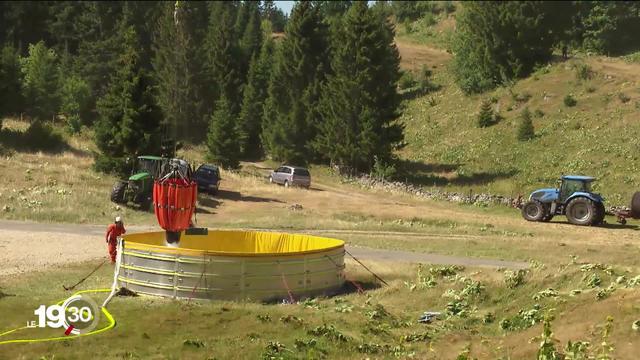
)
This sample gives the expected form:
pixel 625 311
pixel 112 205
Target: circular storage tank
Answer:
pixel 232 265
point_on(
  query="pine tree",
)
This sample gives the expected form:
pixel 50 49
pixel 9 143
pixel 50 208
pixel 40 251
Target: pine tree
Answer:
pixel 11 100
pixel 40 85
pixel 359 103
pixel 254 96
pixel 251 39
pixel 174 71
pixel 485 116
pixel 222 139
pixel 499 41
pixel 525 129
pixel 128 123
pixel 221 46
pixel 290 121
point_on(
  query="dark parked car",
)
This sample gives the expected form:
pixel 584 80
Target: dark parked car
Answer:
pixel 208 178
pixel 291 176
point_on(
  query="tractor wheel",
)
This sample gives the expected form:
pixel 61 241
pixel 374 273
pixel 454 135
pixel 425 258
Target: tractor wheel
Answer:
pixel 635 205
pixel 582 211
pixel 600 213
pixel 117 193
pixel 533 211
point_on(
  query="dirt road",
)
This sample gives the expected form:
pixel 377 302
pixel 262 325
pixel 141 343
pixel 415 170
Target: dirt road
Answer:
pixel 29 246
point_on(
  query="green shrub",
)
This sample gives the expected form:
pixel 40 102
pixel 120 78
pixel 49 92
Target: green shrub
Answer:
pixel 526 130
pixel 381 170
pixel 424 79
pixel 623 98
pixel 407 80
pixel 583 72
pixel 75 101
pixel 513 279
pixel 633 57
pixel 538 113
pixel 569 101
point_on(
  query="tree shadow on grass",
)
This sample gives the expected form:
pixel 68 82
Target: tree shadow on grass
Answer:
pixel 237 196
pixel 208 201
pixel 419 173
pixel 417 91
pixel 36 138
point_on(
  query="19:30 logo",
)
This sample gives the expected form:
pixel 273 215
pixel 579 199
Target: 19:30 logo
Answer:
pixel 77 315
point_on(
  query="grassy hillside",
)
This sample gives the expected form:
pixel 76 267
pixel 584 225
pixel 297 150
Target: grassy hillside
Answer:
pixel 599 136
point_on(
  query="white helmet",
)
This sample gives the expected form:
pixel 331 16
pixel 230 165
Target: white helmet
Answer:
pixel 118 219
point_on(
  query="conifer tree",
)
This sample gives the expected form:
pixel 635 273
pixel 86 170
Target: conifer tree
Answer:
pixel 485 116
pixel 128 122
pixel 222 139
pixel 175 66
pixel 221 46
pixel 499 41
pixel 290 121
pixel 11 100
pixel 525 128
pixel 254 96
pixel 40 84
pixel 359 103
pixel 251 38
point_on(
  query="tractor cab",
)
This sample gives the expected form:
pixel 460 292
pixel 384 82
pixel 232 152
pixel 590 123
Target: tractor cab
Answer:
pixel 572 184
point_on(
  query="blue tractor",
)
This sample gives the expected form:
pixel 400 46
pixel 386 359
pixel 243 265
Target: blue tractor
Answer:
pixel 573 199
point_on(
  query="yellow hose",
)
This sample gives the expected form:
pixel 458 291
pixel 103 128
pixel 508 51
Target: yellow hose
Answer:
pixel 107 314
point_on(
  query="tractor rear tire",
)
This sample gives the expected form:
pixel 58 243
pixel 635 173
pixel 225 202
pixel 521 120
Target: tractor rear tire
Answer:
pixel 117 193
pixel 533 211
pixel 582 211
pixel 635 205
pixel 600 213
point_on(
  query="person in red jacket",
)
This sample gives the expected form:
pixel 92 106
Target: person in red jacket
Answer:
pixel 113 231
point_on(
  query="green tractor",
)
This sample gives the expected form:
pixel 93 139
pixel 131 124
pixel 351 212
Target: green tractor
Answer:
pixel 139 187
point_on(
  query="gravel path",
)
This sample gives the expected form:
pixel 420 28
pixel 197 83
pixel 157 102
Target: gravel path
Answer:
pixel 28 246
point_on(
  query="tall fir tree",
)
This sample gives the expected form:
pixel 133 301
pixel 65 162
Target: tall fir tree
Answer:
pixel 11 100
pixel 222 144
pixel 301 64
pixel 499 41
pixel 175 68
pixel 254 96
pixel 251 37
pixel 526 130
pixel 222 50
pixel 41 81
pixel 359 103
pixel 129 121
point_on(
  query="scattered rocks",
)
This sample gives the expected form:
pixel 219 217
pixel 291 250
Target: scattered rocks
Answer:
pixel 295 207
pixel 481 199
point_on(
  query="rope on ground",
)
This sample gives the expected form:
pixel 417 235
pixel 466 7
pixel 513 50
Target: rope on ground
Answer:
pixel 86 277
pixel 284 281
pixel 355 284
pixel 363 265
